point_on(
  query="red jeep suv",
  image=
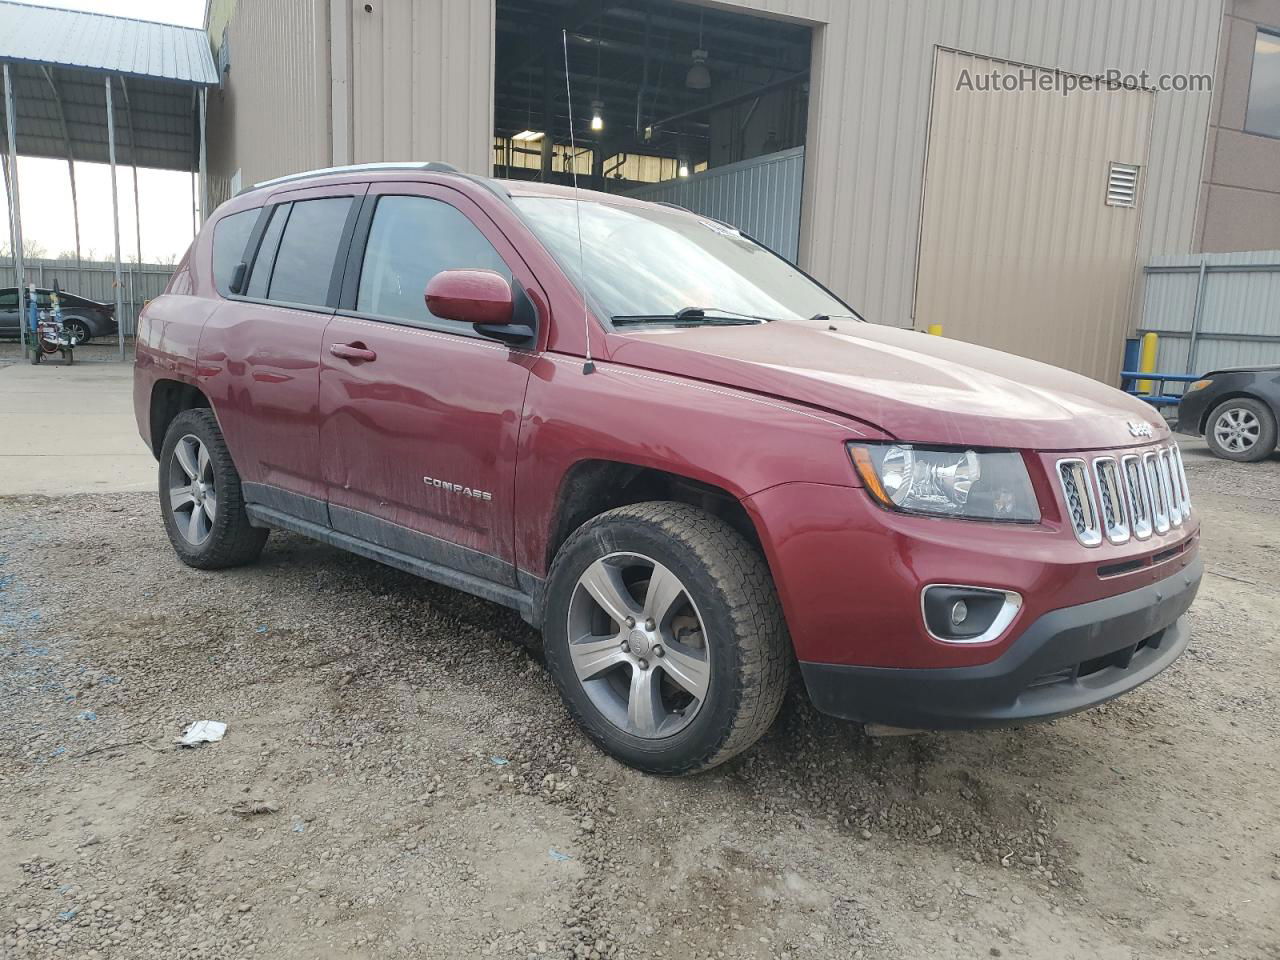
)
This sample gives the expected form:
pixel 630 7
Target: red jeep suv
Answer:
pixel 685 461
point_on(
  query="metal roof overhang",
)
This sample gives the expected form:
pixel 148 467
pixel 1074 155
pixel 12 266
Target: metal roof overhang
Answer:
pixel 58 60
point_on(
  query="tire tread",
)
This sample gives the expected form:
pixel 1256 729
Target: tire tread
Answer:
pixel 760 630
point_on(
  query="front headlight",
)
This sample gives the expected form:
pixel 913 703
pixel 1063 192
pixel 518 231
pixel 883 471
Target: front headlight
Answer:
pixel 947 482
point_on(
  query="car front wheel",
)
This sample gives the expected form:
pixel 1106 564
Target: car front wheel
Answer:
pixel 1241 429
pixel 664 635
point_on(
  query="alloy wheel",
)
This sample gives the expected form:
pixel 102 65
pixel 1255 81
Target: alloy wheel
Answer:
pixel 1237 429
pixel 638 645
pixel 193 500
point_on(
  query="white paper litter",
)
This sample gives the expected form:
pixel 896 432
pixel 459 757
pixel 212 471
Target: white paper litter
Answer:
pixel 202 731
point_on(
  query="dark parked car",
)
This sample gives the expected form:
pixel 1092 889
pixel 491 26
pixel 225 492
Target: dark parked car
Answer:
pixel 1235 410
pixel 83 318
pixel 712 472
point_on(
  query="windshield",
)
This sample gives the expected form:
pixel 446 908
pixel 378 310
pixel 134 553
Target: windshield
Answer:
pixel 648 264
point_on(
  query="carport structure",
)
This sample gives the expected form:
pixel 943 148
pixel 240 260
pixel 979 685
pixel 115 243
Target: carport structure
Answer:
pixel 73 81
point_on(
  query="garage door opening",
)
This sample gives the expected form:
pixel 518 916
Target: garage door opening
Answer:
pixel 672 101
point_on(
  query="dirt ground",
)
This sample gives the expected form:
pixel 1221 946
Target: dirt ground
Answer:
pixel 424 794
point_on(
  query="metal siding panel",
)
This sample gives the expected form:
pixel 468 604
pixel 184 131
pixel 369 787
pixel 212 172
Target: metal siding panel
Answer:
pixel 422 74
pixel 759 196
pixel 95 280
pixel 97 41
pixel 271 116
pixel 1242 304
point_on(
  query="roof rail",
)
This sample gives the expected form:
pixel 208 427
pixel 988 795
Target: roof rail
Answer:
pixel 431 166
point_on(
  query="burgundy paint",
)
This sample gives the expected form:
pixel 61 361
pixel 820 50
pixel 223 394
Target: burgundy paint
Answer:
pixel 763 412
pixel 471 296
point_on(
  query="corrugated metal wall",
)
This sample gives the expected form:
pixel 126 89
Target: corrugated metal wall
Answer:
pixel 760 196
pixel 271 116
pixel 421 81
pixel 1239 310
pixel 1018 248
pixel 868 118
pixel 95 280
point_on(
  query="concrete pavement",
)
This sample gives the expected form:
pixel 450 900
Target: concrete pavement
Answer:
pixel 70 430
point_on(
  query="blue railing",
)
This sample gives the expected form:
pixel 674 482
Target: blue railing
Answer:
pixel 1159 397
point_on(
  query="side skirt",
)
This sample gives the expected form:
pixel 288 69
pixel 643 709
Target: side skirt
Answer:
pixel 511 597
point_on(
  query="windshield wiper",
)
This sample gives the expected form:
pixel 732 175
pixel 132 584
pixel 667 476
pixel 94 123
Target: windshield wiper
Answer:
pixel 694 316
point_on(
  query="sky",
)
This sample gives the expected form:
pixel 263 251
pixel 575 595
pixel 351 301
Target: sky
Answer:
pixel 45 189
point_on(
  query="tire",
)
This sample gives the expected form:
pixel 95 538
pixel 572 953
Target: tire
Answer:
pixel 222 535
pixel 78 330
pixel 738 640
pixel 1241 429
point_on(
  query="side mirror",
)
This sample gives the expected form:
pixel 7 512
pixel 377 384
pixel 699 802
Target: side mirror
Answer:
pixel 481 298
pixel 237 278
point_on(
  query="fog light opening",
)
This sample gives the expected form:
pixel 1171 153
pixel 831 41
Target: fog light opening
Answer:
pixel 955 613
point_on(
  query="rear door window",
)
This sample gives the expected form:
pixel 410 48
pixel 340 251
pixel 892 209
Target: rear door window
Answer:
pixel 411 239
pixel 304 263
pixel 9 300
pixel 230 236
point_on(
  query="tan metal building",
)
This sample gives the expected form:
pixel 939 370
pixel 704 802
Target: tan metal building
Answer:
pixel 993 213
pixel 1240 192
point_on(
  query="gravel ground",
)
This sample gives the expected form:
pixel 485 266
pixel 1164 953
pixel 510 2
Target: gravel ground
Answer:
pixel 419 790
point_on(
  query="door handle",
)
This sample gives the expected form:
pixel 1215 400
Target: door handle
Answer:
pixel 352 351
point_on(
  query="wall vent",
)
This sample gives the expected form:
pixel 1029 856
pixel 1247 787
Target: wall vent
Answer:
pixel 1122 185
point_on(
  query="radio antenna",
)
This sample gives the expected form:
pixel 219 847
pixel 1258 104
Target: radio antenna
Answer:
pixel 589 366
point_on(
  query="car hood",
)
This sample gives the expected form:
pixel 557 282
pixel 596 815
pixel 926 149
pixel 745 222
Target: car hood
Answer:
pixel 915 387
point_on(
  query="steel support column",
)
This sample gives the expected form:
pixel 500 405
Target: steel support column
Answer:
pixel 66 142
pixel 15 207
pixel 204 166
pixel 137 212
pixel 115 210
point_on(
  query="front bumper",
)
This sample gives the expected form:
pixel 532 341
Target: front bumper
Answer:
pixel 1192 409
pixel 1066 660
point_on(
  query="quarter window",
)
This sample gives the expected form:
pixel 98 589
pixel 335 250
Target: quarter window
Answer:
pixel 304 263
pixel 1263 115
pixel 260 276
pixel 412 239
pixel 230 236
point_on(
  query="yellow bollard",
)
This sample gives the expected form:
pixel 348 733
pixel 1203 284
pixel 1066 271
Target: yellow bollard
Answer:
pixel 935 329
pixel 1147 360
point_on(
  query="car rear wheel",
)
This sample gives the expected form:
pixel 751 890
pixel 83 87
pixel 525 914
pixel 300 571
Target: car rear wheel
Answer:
pixel 664 635
pixel 1241 429
pixel 77 331
pixel 200 496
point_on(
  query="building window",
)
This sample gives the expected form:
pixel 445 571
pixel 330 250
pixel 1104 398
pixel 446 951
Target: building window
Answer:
pixel 1263 115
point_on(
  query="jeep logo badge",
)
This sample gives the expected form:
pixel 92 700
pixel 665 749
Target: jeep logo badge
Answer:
pixel 1140 428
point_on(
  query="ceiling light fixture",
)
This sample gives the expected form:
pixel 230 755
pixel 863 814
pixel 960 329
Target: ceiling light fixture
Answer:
pixel 597 115
pixel 528 136
pixel 699 76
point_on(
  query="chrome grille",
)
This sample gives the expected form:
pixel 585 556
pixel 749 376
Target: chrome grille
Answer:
pixel 1159 498
pixel 1182 481
pixel 1115 520
pixel 1169 475
pixel 1133 496
pixel 1081 507
pixel 1138 497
